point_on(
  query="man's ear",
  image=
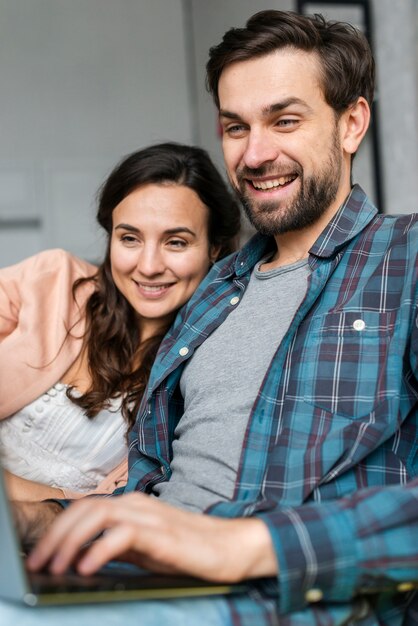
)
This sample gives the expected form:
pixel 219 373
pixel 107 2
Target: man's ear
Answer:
pixel 354 125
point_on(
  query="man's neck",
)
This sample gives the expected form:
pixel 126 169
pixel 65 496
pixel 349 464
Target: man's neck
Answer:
pixel 291 248
pixel 294 246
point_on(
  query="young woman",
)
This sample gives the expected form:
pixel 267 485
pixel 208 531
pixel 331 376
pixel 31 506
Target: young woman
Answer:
pixel 77 342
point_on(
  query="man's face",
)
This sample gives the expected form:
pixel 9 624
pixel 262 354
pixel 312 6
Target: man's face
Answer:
pixel 281 141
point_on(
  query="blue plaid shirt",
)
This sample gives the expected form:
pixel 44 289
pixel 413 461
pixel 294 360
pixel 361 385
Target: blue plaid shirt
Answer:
pixel 330 450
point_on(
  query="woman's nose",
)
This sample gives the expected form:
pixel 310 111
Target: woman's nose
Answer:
pixel 150 261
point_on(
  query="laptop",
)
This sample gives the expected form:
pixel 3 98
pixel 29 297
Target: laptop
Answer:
pixel 116 582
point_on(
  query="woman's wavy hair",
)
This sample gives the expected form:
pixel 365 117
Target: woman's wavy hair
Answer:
pixel 119 364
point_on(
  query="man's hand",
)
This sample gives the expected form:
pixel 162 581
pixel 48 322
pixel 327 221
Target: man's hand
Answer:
pixel 33 519
pixel 156 536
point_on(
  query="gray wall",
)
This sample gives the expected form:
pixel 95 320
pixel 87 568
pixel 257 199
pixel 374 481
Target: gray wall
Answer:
pixel 84 82
pixel 396 37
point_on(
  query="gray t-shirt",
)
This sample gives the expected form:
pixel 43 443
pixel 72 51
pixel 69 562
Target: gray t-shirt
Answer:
pixel 220 384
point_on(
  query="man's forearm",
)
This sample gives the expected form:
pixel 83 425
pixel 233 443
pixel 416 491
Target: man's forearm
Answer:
pixel 34 518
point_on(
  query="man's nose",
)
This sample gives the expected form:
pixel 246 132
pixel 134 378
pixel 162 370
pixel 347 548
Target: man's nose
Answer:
pixel 261 148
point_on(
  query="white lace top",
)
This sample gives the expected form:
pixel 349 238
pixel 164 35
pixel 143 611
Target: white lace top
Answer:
pixel 53 442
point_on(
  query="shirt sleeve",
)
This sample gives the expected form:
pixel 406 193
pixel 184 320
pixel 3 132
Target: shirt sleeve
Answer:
pixel 413 357
pixel 37 311
pixel 336 550
pixel 26 285
pixel 10 301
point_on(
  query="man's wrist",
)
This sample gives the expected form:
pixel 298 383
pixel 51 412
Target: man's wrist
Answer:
pixel 34 518
pixel 262 561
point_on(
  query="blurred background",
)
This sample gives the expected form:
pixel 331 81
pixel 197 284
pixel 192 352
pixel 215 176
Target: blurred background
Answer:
pixel 85 82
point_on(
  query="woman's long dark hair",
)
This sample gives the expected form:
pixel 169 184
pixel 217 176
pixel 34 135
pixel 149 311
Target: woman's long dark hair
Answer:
pixel 119 364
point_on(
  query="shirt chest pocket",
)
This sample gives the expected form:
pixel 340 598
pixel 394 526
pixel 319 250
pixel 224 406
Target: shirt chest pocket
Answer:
pixel 345 365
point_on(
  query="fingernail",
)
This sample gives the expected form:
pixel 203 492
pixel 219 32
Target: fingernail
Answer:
pixel 56 566
pixel 85 566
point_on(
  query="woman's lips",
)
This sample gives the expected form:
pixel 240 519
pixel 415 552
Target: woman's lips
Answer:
pixel 153 290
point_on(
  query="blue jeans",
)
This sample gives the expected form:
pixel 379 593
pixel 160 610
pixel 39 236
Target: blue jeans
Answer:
pixel 185 612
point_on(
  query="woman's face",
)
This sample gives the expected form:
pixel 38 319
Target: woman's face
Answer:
pixel 159 250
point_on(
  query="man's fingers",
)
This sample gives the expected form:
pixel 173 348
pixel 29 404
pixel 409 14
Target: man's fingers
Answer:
pixel 80 523
pixel 114 542
pixel 164 538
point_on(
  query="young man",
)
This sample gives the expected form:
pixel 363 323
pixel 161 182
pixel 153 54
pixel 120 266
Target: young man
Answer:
pixel 298 403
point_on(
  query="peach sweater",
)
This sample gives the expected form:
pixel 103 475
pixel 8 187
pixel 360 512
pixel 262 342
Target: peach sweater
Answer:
pixel 36 310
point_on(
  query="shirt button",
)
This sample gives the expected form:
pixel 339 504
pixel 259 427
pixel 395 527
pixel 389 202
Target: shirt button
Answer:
pixel 234 300
pixel 183 351
pixel 359 325
pixel 39 408
pixel 314 595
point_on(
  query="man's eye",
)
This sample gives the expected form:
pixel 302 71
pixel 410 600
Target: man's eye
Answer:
pixel 287 123
pixel 236 129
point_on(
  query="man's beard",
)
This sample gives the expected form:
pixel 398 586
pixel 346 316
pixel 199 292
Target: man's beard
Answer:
pixel 316 195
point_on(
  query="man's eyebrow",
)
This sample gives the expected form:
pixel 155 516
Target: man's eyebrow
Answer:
pixel 276 107
pixel 229 115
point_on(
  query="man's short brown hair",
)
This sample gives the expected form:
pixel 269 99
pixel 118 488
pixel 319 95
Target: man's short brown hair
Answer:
pixel 346 61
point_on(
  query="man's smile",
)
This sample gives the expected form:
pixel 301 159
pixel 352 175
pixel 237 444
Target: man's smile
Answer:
pixel 272 183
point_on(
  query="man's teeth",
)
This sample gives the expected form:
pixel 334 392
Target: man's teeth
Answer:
pixel 270 184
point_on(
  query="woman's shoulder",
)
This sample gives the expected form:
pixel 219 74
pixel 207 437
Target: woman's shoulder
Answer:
pixel 57 259
pixel 49 265
pixel 49 272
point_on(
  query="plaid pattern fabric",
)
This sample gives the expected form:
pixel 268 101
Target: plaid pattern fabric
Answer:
pixel 329 456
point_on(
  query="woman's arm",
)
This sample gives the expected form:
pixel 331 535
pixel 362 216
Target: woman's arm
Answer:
pixel 28 490
pixel 36 297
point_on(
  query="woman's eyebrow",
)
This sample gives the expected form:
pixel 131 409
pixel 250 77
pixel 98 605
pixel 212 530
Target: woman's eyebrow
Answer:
pixel 127 227
pixel 179 229
pixel 169 231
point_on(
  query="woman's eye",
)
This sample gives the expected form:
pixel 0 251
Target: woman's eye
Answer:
pixel 128 239
pixel 177 243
